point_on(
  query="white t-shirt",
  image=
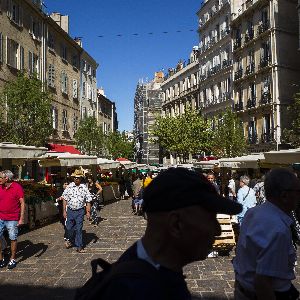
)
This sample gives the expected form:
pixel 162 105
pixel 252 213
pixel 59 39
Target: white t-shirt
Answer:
pixel 231 186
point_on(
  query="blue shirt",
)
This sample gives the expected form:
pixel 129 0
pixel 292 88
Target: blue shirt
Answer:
pixel 248 200
pixel 265 248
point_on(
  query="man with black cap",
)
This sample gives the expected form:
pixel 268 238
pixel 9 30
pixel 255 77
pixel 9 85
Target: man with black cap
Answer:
pixel 180 207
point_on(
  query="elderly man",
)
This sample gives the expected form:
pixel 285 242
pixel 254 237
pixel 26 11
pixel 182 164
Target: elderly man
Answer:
pixel 76 197
pixel 265 256
pixel 12 209
pixel 180 207
pixel 245 196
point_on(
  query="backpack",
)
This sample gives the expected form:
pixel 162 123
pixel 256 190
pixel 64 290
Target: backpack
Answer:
pixel 95 286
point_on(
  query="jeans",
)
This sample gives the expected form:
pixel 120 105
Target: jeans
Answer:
pixel 12 228
pixel 75 223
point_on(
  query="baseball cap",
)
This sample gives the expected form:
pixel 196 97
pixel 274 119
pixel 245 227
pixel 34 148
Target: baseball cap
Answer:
pixel 177 188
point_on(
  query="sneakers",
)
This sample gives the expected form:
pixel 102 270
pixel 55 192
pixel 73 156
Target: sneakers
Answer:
pixel 2 263
pixel 12 264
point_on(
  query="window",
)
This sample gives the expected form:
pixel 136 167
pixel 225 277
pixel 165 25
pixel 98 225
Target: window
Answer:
pixel 88 91
pixel 63 52
pixel 1 47
pixel 15 12
pixel 83 65
pixel 54 117
pixel 75 61
pixel 12 58
pixel 94 73
pixel 33 63
pixel 51 76
pixel 35 29
pixel 64 83
pixel 89 70
pixel 75 123
pixel 65 120
pixel 84 112
pixel 75 89
pixel 51 42
pixel 22 58
pixel 84 89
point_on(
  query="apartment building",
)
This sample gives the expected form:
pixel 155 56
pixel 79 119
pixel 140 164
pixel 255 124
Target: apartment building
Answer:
pixel 147 105
pixel 266 67
pixel 106 113
pixel 215 57
pixel 180 87
pixel 63 79
pixel 35 42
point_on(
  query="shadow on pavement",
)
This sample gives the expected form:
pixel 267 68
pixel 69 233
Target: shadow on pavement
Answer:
pixel 20 292
pixel 89 237
pixel 28 249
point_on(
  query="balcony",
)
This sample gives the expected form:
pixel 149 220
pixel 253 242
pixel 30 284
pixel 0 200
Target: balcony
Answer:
pixel 266 137
pixel 252 139
pixel 251 103
pixel 250 69
pixel 237 43
pixel 263 26
pixel 238 106
pixel 264 62
pixel 226 63
pixel 238 74
pixel 202 77
pixel 266 98
pixel 225 32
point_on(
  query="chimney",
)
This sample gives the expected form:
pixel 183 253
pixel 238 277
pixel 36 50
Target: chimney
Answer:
pixel 62 21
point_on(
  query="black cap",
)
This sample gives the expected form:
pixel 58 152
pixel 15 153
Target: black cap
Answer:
pixel 179 187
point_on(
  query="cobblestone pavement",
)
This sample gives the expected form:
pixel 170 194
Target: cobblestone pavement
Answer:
pixel 47 270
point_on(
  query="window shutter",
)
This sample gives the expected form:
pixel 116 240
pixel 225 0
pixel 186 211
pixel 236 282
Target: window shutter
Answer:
pixel 30 57
pixel 62 82
pixel 21 58
pixel 1 47
pixel 9 8
pixel 74 88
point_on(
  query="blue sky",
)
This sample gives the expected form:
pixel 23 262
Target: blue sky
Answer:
pixel 126 59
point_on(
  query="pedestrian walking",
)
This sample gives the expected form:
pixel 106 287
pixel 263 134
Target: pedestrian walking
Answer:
pixel 245 196
pixel 265 256
pixel 180 208
pixel 77 199
pixel 137 194
pixel 259 190
pixel 12 209
pixel 95 190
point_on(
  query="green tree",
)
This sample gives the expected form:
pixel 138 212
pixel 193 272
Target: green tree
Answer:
pixel 25 106
pixel 228 136
pixel 89 137
pixel 182 135
pixel 117 145
pixel 292 135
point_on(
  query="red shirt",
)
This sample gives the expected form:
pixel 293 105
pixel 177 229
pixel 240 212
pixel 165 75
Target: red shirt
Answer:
pixel 10 205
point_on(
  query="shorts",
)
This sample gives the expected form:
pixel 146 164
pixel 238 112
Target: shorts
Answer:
pixel 12 228
pixel 138 201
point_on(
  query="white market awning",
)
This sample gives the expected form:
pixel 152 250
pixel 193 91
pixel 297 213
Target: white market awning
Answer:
pixel 128 164
pixel 282 157
pixel 242 162
pixel 65 159
pixel 207 165
pixel 14 151
pixel 105 164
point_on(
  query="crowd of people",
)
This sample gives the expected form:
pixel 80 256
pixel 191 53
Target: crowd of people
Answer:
pixel 181 207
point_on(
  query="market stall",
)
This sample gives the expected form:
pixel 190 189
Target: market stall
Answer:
pixel 251 161
pixel 207 165
pixel 282 158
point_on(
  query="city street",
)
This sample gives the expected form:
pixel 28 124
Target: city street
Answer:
pixel 46 269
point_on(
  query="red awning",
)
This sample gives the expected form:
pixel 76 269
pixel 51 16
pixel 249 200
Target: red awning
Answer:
pixel 122 159
pixel 63 148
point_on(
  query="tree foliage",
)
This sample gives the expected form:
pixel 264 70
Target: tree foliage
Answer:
pixel 292 135
pixel 117 145
pixel 183 135
pixel 25 109
pixel 228 136
pixel 89 137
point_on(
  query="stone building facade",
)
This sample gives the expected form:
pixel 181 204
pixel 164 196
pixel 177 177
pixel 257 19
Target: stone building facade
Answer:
pixel 180 88
pixel 266 68
pixel 147 105
pixel 215 57
pixel 35 42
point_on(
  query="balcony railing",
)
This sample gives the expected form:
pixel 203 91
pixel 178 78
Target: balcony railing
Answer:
pixel 226 63
pixel 237 43
pixel 238 106
pixel 252 139
pixel 266 137
pixel 263 26
pixel 250 68
pixel 225 32
pixel 249 35
pixel 266 98
pixel 238 74
pixel 251 102
pixel 264 62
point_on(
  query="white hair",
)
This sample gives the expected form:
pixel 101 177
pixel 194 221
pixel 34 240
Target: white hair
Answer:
pixel 8 174
pixel 245 179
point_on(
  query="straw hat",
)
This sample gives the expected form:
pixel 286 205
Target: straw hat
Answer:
pixel 78 173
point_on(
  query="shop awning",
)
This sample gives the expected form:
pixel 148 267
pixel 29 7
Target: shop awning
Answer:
pixel 63 148
pixel 105 164
pixel 251 161
pixel 55 159
pixel 20 153
pixel 207 165
pixel 282 157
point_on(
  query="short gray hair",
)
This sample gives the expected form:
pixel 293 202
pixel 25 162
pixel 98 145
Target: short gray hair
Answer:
pixel 245 179
pixel 278 180
pixel 8 174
